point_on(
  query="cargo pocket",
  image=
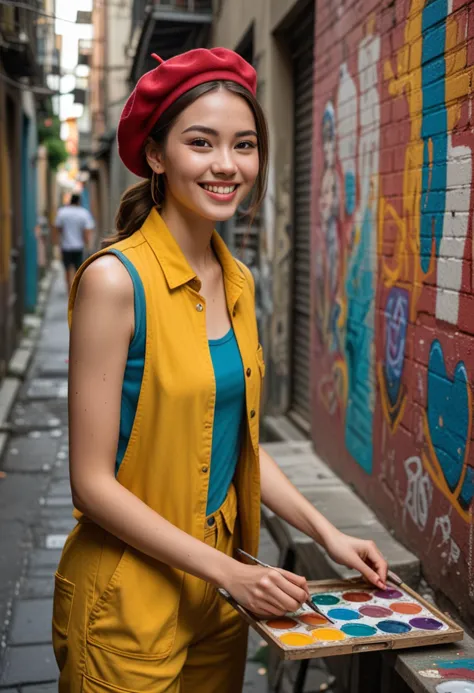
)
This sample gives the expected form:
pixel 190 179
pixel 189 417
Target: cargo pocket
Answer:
pixel 132 626
pixel 62 606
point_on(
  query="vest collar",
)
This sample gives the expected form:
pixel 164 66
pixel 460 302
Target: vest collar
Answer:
pixel 175 267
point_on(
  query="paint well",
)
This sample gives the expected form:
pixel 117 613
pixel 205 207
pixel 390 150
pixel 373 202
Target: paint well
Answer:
pixel 388 594
pixel 358 630
pixel 394 627
pixel 296 639
pixel 405 608
pixel 328 634
pixel 281 623
pixel 455 687
pixel 343 614
pixel 426 623
pixel 312 619
pixel 373 611
pixel 357 596
pixel 325 599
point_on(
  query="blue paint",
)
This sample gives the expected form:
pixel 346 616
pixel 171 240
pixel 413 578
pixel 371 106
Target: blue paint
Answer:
pixel 325 599
pixel 396 320
pixel 395 627
pixel 448 420
pixel 467 663
pixel 343 614
pixel 434 129
pixel 359 346
pixel 350 192
pixel 358 630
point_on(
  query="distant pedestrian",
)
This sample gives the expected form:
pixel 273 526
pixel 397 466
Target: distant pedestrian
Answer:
pixel 74 225
pixel 165 377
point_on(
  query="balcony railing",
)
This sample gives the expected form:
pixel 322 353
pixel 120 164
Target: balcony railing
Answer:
pixel 192 6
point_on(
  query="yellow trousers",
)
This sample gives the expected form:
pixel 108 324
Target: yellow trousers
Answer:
pixel 115 628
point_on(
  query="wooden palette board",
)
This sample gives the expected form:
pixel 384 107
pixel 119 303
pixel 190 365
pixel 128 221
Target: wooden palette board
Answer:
pixel 317 640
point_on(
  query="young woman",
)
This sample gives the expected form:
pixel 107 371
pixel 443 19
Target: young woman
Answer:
pixel 165 380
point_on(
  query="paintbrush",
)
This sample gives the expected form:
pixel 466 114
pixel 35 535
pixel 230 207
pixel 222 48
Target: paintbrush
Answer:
pixel 308 602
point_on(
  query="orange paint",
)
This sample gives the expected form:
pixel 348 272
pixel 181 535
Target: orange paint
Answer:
pixel 296 639
pixel 328 634
pixel 281 623
pixel 313 619
pixel 405 608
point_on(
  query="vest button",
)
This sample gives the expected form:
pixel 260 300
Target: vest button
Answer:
pixel 211 522
pixel 249 372
pixel 199 307
pixel 204 469
pixel 252 413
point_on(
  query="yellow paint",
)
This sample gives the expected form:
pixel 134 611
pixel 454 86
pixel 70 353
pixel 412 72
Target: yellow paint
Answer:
pixel 328 634
pixel 296 639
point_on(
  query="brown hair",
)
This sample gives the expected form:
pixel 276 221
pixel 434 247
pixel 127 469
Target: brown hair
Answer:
pixel 139 199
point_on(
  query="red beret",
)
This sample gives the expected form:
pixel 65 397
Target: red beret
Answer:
pixel 159 88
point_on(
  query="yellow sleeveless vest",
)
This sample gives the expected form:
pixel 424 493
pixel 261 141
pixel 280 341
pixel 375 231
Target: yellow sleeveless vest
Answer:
pixel 167 462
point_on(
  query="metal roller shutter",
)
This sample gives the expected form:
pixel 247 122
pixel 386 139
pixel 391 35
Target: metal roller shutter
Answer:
pixel 302 45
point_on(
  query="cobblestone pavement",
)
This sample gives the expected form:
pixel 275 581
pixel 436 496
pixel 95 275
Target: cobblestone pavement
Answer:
pixel 35 515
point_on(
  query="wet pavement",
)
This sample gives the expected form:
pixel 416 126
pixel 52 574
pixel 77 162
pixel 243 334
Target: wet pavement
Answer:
pixel 35 515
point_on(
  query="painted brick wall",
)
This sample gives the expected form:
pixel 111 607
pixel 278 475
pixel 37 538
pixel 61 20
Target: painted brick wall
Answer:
pixel 392 276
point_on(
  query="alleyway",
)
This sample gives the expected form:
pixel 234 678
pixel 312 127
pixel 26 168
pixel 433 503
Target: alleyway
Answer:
pixel 35 515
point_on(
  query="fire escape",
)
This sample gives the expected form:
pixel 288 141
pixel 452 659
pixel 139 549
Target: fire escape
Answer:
pixel 168 27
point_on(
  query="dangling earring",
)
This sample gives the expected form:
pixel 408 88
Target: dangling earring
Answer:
pixel 154 188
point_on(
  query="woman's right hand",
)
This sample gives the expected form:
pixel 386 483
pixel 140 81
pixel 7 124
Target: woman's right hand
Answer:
pixel 266 591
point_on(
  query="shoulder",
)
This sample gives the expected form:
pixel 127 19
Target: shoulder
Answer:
pixel 106 280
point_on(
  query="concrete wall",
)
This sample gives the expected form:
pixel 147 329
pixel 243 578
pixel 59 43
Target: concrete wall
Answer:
pixel 393 326
pixel 274 70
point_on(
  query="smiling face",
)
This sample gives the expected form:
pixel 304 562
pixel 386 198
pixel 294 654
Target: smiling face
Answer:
pixel 210 158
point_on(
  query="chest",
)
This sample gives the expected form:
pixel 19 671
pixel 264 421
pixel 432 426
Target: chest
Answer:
pixel 215 301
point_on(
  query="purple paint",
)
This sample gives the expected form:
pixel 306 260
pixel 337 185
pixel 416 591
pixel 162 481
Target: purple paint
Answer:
pixel 375 611
pixel 388 594
pixel 426 623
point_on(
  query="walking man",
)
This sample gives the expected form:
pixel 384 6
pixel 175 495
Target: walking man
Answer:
pixel 74 225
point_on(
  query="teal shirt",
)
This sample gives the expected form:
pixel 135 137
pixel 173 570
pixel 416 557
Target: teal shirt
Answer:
pixel 230 396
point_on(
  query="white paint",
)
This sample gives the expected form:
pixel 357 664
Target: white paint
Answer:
pixel 430 673
pixel 452 246
pixel 455 687
pixel 347 122
pixel 442 527
pixel 419 492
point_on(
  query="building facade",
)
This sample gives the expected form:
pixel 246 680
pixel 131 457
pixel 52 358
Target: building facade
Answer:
pixel 21 87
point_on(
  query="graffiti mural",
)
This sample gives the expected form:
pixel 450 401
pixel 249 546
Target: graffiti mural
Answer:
pixel 393 278
pixel 345 267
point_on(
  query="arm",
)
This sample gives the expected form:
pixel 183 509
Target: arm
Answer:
pixel 102 326
pixel 279 494
pixel 88 239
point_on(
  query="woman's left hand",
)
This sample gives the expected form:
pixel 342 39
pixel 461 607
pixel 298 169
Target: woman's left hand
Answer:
pixel 359 554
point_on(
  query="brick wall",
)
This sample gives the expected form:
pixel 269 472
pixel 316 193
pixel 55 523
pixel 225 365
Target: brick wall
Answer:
pixel 393 304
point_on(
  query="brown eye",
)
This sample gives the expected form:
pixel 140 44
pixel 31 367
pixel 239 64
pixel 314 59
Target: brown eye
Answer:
pixel 246 145
pixel 200 142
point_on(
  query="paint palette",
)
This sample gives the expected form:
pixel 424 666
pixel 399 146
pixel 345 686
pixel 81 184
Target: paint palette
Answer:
pixel 364 619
